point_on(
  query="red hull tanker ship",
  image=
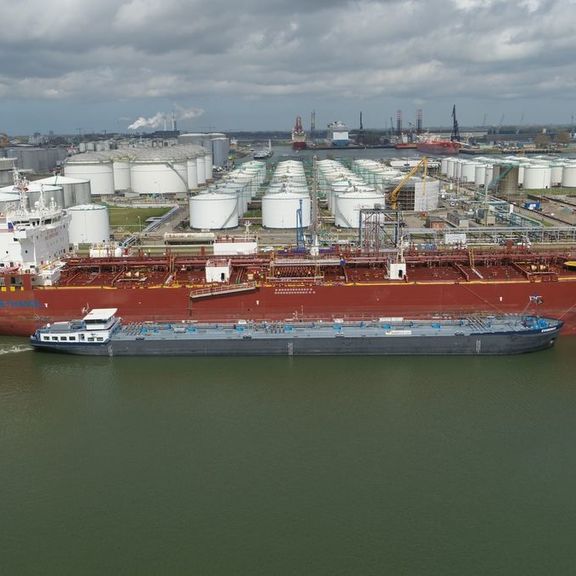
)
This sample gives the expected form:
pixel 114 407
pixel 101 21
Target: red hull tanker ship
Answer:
pixel 40 283
pixel 274 287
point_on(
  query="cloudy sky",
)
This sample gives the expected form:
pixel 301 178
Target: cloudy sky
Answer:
pixel 95 65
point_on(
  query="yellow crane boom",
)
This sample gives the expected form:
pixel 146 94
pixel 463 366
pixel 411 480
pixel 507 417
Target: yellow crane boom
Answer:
pixel 423 163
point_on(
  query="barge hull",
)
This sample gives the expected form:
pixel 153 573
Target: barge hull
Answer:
pixel 475 344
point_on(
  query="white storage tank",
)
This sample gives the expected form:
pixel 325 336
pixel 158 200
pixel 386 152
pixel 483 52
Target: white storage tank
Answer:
pixel 50 193
pixel 348 205
pixel 75 191
pixel 444 166
pixel 468 172
pixel 201 170
pixel 181 168
pixel 240 190
pixel 557 168
pixel 458 168
pixel 213 211
pixel 156 177
pixel 98 172
pixel 280 210
pixel 121 168
pixel 89 224
pixel 220 150
pixel 537 177
pixel 191 138
pixel 192 173
pixel 9 201
pixel 208 163
pixel 521 170
pixel 489 174
pixel 480 175
pixel 6 171
pixel 569 176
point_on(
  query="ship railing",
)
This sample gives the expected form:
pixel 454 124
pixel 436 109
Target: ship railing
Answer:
pixel 223 289
pixel 280 279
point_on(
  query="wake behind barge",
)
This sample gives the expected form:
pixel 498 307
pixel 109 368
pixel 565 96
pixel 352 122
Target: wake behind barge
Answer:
pixel 101 333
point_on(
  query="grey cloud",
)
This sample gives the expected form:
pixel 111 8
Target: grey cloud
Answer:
pixel 356 49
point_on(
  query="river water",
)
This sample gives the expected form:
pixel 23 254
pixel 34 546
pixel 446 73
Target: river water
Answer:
pixel 287 466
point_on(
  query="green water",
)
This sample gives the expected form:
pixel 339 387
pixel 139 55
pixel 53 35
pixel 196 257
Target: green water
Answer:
pixel 306 466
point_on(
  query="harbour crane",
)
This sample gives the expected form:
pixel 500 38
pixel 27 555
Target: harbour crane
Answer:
pixel 455 136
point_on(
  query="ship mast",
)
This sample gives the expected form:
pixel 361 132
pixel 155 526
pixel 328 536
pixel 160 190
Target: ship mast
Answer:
pixel 314 249
pixel 21 185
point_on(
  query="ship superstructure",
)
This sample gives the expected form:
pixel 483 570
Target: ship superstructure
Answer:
pixel 338 134
pixel 33 239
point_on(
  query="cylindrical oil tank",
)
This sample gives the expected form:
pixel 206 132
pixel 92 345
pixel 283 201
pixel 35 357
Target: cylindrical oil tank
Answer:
pixel 496 171
pixel 191 138
pixel 89 224
pixel 468 172
pixel 6 168
pixel 50 193
pixel 181 168
pixel 348 205
pixel 280 210
pixel 489 174
pixel 201 170
pixel 156 177
pixel 191 167
pixel 75 191
pixel 521 170
pixel 458 168
pixel 99 172
pixel 444 166
pixel 240 190
pixel 508 184
pixel 569 176
pixel 556 170
pixel 208 166
pixel 80 193
pixel 121 167
pixel 213 211
pixel 451 167
pixel 537 177
pixel 480 175
pixel 9 201
pixel 220 151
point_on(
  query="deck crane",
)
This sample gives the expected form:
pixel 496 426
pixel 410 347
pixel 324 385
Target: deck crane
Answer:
pixel 423 163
